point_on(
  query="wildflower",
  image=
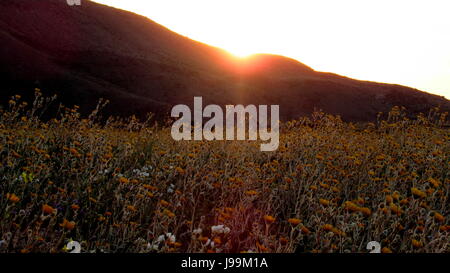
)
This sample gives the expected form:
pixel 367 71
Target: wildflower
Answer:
pixel 305 230
pixel 251 192
pixel 418 193
pixel 324 202
pixel 434 182
pixel 46 209
pixel 69 225
pixel 123 180
pixel 197 231
pixel 177 244
pixel 13 198
pixel 164 203
pixel 389 199
pixel 131 208
pixel 171 237
pixel 149 187
pixel 180 170
pixel 365 211
pixel 327 227
pixel 169 213
pixel 219 229
pixel 439 217
pixel 416 244
pixel 348 205
pixel 261 247
pixel 386 250
pixel 269 219
pixel 284 241
pixel 395 209
pixel 217 241
pixel 75 207
pixel 294 221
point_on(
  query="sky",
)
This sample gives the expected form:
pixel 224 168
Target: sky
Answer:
pixel 394 41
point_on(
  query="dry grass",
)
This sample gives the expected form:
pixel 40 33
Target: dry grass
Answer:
pixel 126 186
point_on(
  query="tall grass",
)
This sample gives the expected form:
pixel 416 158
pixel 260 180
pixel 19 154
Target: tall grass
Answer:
pixel 126 186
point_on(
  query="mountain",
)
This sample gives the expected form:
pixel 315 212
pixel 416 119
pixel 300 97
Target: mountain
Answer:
pixel 90 51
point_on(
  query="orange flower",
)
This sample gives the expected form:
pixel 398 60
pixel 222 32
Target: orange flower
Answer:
pixel 365 211
pixel 13 198
pixel 439 217
pixel 131 208
pixel 75 207
pixel 217 240
pixel 203 239
pixel 149 187
pixel 418 193
pixel 389 199
pixel 386 250
pixel 164 203
pixel 351 206
pixel 395 209
pixel 180 170
pixel 261 247
pixel 269 219
pixel 46 209
pixel 294 221
pixel 324 202
pixel 123 180
pixel 177 244
pixel 416 244
pixel 69 225
pixel 169 213
pixel 327 227
pixel 305 230
pixel 252 192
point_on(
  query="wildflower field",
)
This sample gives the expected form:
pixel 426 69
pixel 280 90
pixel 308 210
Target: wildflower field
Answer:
pixel 127 186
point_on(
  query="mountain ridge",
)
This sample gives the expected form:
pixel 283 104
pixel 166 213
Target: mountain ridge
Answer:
pixel 92 51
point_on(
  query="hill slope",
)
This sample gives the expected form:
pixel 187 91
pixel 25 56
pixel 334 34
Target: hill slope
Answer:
pixel 92 51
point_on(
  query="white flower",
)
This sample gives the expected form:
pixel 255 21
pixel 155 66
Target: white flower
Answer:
pixel 161 238
pixel 152 247
pixel 171 237
pixel 220 229
pixel 197 231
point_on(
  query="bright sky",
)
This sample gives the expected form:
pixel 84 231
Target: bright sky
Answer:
pixel 395 41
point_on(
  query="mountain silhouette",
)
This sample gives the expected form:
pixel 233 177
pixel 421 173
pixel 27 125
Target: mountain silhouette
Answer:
pixel 93 51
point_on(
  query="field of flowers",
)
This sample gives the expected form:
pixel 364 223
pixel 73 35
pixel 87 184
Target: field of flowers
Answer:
pixel 126 186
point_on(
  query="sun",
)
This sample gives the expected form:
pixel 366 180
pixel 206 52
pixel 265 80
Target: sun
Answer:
pixel 241 52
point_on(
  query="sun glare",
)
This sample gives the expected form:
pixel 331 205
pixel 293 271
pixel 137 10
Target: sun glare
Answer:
pixel 403 42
